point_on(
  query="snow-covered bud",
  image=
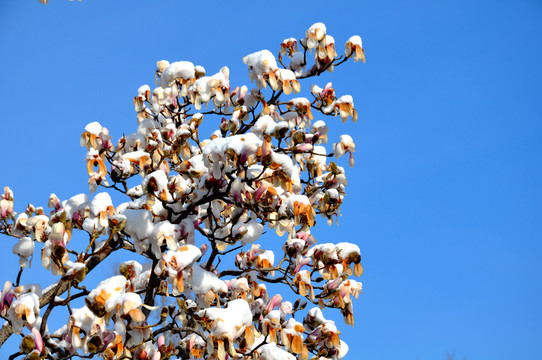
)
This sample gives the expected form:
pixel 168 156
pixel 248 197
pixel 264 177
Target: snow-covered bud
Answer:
pixel 6 203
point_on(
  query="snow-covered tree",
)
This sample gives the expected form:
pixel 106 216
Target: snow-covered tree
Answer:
pixel 196 206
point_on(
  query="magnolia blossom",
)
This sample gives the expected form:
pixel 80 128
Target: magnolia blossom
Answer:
pixel 346 145
pixel 96 137
pixel 262 66
pixel 288 46
pixel 345 107
pixel 301 106
pixel 24 248
pixel 289 82
pixel 24 311
pixel 315 34
pixel 6 298
pixel 353 47
pixel 174 262
pixel 227 325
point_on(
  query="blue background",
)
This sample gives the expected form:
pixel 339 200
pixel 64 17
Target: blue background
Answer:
pixel 444 200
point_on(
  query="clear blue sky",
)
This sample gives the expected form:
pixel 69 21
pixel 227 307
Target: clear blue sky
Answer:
pixel 445 200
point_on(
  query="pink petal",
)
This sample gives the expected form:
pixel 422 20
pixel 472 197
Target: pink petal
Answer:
pixel 273 303
pixel 258 194
pixel 161 341
pixel 325 90
pixel 38 340
pixel 192 341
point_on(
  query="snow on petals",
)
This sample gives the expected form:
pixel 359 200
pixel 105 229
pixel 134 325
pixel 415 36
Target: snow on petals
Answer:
pixel 346 145
pixel 173 263
pixel 261 67
pixel 24 248
pixel 227 325
pixel 104 297
pixel 24 311
pixel 183 71
pixel 354 47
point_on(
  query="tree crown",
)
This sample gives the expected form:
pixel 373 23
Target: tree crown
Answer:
pixel 198 206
